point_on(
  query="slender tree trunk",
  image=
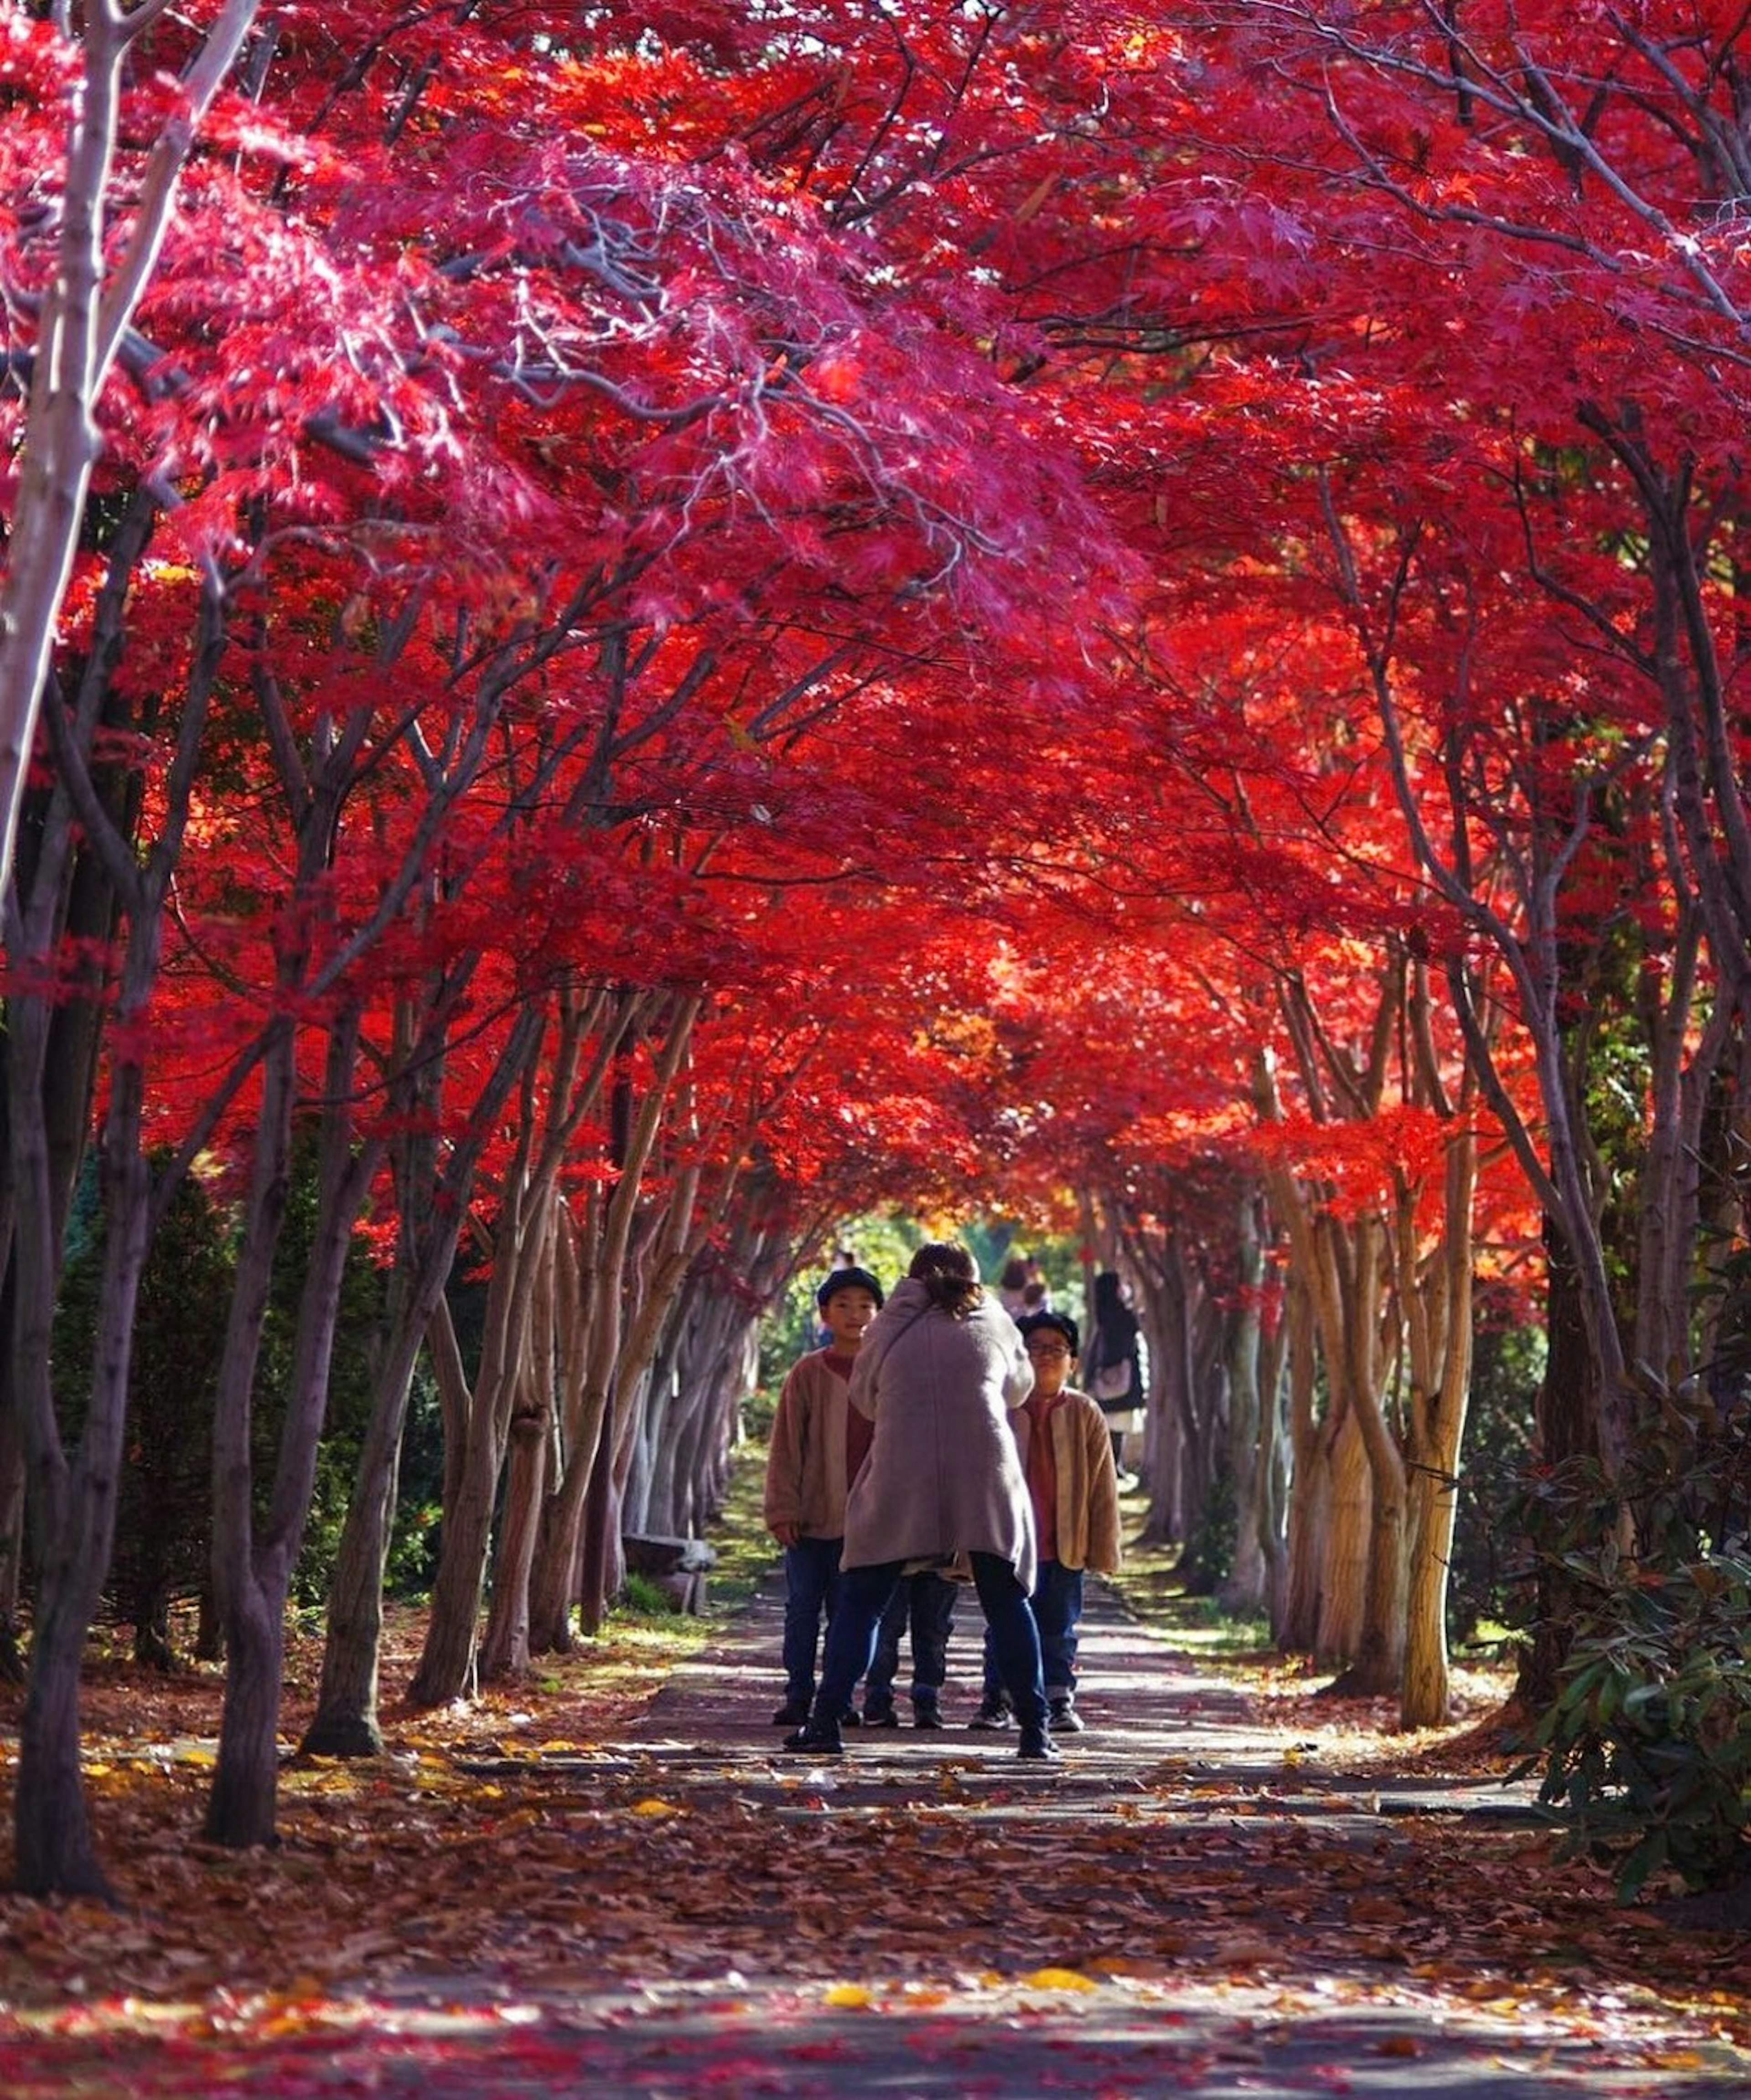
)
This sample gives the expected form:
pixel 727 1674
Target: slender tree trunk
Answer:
pixel 242 1805
pixel 75 1505
pixel 447 1665
pixel 256 1573
pixel 345 1723
pixel 1440 1399
pixel 81 325
pixel 1244 1590
pixel 236 1813
pixel 1310 1481
pixel 1344 1579
pixel 1568 1426
pixel 505 1653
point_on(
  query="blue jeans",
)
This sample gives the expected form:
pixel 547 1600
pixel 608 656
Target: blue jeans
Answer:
pixel 1057 1606
pixel 925 1601
pixel 812 1585
pixel 851 1636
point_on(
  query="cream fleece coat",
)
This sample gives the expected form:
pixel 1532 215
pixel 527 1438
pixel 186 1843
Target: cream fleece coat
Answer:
pixel 1086 1516
pixel 805 1459
pixel 944 1475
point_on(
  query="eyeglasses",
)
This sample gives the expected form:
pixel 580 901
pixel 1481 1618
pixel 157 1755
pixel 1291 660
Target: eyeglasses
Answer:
pixel 1048 1349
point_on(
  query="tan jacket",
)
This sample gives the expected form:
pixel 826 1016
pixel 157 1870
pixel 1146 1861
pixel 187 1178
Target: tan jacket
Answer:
pixel 805 1461
pixel 1082 1450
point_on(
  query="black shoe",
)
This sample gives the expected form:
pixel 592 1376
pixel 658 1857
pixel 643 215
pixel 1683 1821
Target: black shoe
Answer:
pixel 1036 1743
pixel 994 1712
pixel 792 1715
pixel 926 1714
pixel 817 1741
pixel 851 1719
pixel 880 1713
pixel 1065 1720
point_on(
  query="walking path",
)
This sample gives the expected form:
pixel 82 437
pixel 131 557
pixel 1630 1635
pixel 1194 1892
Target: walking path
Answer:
pixel 1188 1903
pixel 1192 1902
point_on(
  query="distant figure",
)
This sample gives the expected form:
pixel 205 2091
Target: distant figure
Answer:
pixel 939 1373
pixel 1011 1284
pixel 1112 1367
pixel 818 1444
pixel 1036 1297
pixel 1071 1477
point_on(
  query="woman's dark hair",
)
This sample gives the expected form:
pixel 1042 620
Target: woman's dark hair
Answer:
pixel 1115 1318
pixel 1015 1272
pixel 950 1275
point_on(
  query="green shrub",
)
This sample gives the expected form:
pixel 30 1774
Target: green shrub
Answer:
pixel 1647 1747
pixel 644 1597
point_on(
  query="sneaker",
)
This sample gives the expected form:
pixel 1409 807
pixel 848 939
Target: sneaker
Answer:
pixel 880 1713
pixel 1065 1720
pixel 851 1719
pixel 926 1714
pixel 1037 1744
pixel 819 1739
pixel 792 1715
pixel 994 1712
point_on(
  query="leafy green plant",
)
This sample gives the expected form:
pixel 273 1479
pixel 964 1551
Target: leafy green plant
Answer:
pixel 1646 1747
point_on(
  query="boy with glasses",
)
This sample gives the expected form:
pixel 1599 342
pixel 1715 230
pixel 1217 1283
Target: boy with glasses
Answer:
pixel 1067 1457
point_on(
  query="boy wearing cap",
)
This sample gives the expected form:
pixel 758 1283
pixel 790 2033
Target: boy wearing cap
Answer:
pixel 1067 1458
pixel 818 1444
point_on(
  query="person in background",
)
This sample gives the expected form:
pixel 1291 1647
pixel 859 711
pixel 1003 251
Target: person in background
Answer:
pixel 939 1372
pixel 925 1601
pixel 1012 1283
pixel 817 1445
pixel 1067 1456
pixel 1113 1363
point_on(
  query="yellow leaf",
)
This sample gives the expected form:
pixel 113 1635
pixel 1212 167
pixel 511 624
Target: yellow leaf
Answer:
pixel 1058 1979
pixel 848 1994
pixel 650 1806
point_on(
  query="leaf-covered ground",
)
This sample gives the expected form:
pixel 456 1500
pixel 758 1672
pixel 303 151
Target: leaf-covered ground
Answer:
pixel 616 1883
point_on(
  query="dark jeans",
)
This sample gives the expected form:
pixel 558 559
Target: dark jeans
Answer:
pixel 1057 1604
pixel 851 1636
pixel 812 1585
pixel 926 1603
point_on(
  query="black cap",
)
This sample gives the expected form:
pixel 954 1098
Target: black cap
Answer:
pixel 849 1279
pixel 1059 1323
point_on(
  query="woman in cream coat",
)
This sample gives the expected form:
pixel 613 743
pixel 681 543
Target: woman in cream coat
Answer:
pixel 939 1370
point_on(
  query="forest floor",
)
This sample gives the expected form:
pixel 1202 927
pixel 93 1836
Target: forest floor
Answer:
pixel 614 1882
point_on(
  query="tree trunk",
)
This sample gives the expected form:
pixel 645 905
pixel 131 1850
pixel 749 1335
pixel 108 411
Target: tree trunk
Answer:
pixel 252 1574
pixel 505 1653
pixel 1344 1580
pixel 1568 1418
pixel 1244 1590
pixel 52 1842
pixel 1441 1348
pixel 11 1527
pixel 345 1723
pixel 447 1665
pixel 82 321
pixel 243 1804
pixel 1310 1481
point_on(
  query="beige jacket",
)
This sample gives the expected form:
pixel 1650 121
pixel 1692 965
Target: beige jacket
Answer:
pixel 1082 1450
pixel 805 1461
